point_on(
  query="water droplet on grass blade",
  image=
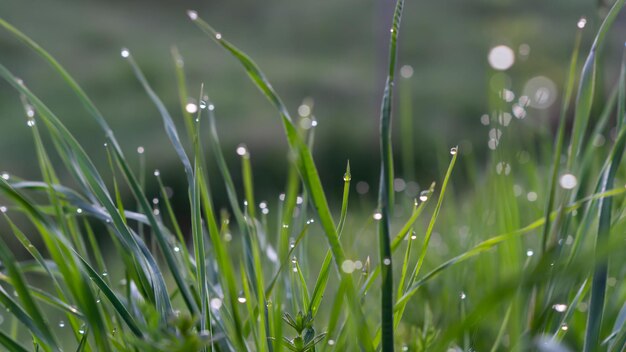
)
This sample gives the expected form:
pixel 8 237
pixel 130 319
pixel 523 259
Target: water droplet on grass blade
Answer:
pixel 463 295
pixel 140 150
pixel 529 253
pixel 3 209
pixel 202 104
pixel 125 53
pixel 377 216
pixel 157 173
pixel 5 176
pixel 193 15
pixel 454 150
pixel 191 108
pixel 424 195
pixel 559 307
pixel 581 23
pixel 216 303
pixel 387 261
pixel 61 324
pixel 242 299
pixel 30 123
pixel 218 36
pixel 242 150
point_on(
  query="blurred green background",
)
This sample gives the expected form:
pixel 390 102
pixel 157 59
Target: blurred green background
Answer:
pixel 331 51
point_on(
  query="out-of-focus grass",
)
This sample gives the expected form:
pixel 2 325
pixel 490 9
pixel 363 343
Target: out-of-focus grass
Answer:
pixel 529 258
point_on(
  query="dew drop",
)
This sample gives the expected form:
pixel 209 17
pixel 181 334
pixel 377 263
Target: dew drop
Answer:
pixel 30 112
pixel 191 108
pixel 560 307
pixel 218 36
pixel 241 299
pixel 157 173
pixel 529 253
pixel 304 110
pixel 176 249
pixel 503 168
pixel 79 211
pixel 501 57
pixel 140 150
pixel 202 104
pixel 568 181
pixel 125 53
pixel 313 123
pixel 5 176
pixel 30 123
pixel 216 303
pixel 242 150
pixel 3 209
pixel 348 266
pixel 424 195
pixel 347 177
pixel 484 120
pixel 454 150
pixel 358 265
pixel 61 324
pixel 281 197
pixel 294 260
pixel 265 211
pixel 463 295
pixel 406 71
pixel 581 23
pixel 211 107
pixel 387 261
pixel 193 15
pixel 299 200
pixel 331 342
pixel 378 216
pixel 564 327
pixel 105 274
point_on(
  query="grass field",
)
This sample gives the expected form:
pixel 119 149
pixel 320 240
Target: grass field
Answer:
pixel 528 256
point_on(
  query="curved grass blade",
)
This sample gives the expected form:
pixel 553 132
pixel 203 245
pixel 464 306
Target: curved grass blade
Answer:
pixel 486 245
pixel 306 168
pixel 24 293
pixel 386 195
pixel 10 344
pixel 587 84
pixel 600 275
pixel 322 279
pixel 91 177
pixel 558 148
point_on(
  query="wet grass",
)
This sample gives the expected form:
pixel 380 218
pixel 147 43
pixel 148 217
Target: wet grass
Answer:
pixel 529 258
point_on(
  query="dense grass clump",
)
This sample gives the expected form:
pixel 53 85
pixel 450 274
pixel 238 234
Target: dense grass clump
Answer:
pixel 526 260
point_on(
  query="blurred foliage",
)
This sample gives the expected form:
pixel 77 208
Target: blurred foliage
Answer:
pixel 333 52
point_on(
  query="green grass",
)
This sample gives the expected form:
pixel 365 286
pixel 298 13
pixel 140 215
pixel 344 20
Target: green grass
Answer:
pixel 494 270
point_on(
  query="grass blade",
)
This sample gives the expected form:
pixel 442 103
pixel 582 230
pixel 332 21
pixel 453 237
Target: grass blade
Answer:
pixel 386 191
